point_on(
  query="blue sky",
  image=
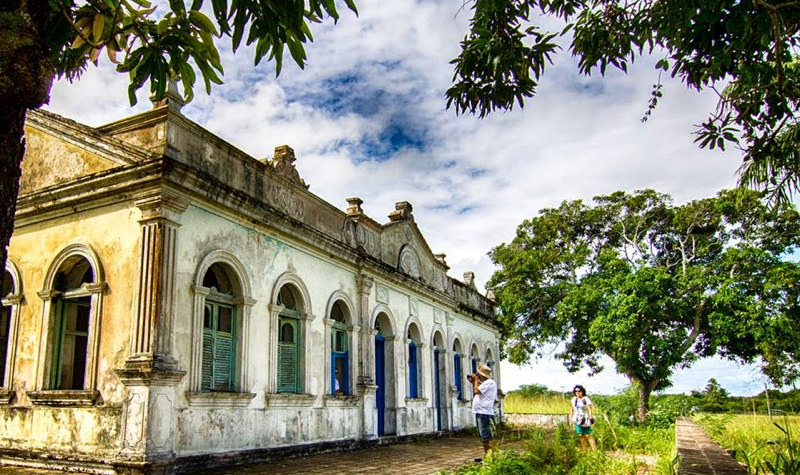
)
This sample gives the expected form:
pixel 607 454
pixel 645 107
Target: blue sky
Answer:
pixel 367 118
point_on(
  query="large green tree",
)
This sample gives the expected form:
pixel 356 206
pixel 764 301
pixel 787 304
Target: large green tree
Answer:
pixel 41 40
pixel 745 50
pixel 654 286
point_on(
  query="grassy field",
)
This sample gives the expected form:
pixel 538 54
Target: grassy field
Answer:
pixel 557 452
pixel 766 445
pixel 624 449
pixel 540 404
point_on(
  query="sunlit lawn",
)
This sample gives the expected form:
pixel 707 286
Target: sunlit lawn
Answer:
pixel 756 438
pixel 541 404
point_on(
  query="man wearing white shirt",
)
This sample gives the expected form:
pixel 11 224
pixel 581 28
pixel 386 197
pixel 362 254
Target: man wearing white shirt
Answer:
pixel 484 391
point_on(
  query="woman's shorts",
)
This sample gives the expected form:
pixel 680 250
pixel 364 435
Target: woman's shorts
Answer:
pixel 584 430
pixel 485 424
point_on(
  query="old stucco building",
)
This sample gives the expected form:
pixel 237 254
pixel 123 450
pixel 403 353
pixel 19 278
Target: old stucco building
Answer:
pixel 169 299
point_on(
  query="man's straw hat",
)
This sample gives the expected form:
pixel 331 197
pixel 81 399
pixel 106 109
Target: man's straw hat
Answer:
pixel 485 371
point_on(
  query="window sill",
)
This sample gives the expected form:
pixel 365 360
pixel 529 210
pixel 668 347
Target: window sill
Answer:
pixel 5 396
pixel 218 399
pixel 340 400
pixel 416 401
pixel 63 398
pixel 289 400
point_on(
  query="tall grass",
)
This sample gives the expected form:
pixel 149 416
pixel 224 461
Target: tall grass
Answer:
pixel 554 453
pixel 516 403
pixel 766 445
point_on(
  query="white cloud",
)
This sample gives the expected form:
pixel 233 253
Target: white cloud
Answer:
pixel 367 118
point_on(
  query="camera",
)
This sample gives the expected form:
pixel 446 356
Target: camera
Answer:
pixel 471 377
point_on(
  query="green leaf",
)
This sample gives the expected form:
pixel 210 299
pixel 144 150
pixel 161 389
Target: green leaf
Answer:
pixel 297 52
pixel 97 27
pixel 178 7
pixel 202 22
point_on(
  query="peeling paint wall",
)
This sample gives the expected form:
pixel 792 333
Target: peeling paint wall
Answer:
pixel 266 257
pixel 74 430
pixel 56 162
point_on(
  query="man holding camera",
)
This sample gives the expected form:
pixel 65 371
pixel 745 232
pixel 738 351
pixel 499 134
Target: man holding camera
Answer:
pixel 484 391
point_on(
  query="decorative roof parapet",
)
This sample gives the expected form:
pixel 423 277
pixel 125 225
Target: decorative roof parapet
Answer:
pixel 354 206
pixel 469 279
pixel 283 163
pixel 403 210
pixel 172 99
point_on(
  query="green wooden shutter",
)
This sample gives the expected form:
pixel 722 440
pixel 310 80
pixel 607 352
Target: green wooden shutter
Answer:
pixel 208 359
pixel 223 359
pixel 288 360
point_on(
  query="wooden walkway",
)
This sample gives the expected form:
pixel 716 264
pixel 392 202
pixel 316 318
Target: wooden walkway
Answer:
pixel 700 455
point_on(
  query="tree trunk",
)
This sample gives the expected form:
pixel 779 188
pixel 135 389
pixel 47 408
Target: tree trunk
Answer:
pixel 645 389
pixel 12 149
pixel 26 75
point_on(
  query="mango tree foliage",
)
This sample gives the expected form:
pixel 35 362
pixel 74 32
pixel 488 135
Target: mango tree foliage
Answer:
pixel 746 51
pixel 654 286
pixel 44 39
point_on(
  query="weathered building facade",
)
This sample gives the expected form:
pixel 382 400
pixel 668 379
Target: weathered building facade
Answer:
pixel 169 299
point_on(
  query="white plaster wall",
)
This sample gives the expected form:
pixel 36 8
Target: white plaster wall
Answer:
pixel 265 258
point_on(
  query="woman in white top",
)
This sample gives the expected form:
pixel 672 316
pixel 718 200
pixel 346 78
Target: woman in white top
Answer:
pixel 581 413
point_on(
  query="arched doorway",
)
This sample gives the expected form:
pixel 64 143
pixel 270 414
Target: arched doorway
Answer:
pixel 439 379
pixel 385 397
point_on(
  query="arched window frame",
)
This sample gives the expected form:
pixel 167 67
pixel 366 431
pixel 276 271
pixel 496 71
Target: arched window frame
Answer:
pixel 394 351
pixel 474 360
pixel 304 318
pixel 438 345
pixel 13 300
pixel 459 377
pixel 417 345
pixel 49 295
pixel 351 341
pixel 242 303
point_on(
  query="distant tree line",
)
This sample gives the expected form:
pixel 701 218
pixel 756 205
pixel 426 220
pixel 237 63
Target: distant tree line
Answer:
pixel 713 398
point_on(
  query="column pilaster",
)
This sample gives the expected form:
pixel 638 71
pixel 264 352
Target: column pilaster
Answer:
pixel 366 350
pixel 151 335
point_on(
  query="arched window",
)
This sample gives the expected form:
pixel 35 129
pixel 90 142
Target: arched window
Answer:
pixel 289 340
pixel 414 364
pixel 219 327
pixel 474 359
pixel 71 345
pixel 219 331
pixel 11 295
pixel 340 361
pixel 458 372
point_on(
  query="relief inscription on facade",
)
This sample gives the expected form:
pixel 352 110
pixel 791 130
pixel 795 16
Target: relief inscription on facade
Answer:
pixel 409 263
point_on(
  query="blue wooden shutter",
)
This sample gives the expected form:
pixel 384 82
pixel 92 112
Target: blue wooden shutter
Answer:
pixel 333 373
pixel 457 373
pixel 412 370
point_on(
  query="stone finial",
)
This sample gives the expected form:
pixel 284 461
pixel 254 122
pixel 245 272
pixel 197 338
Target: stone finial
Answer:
pixel 283 163
pixel 469 278
pixel 284 152
pixel 441 258
pixel 402 210
pixel 172 99
pixel 354 206
pixel 491 296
